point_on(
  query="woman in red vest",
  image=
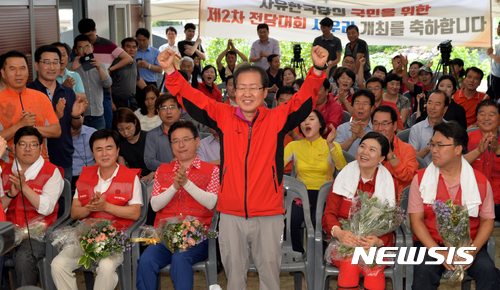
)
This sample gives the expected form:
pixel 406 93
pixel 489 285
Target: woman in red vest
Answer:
pixel 208 86
pixel 369 175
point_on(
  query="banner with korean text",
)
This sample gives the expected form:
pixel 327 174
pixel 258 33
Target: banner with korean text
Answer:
pixel 427 22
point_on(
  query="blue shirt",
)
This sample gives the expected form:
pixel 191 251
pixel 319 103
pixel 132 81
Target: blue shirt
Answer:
pixel 344 132
pixel 209 149
pixel 150 56
pixel 60 149
pixel 82 156
pixel 78 87
pixel 158 149
pixel 420 135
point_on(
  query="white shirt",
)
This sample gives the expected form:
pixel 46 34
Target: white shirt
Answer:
pixel 147 123
pixel 51 191
pixel 166 45
pixel 103 185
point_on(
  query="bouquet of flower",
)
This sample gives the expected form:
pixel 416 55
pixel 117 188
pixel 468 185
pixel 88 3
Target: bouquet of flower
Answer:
pixel 149 235
pixel 36 229
pixel 452 224
pixel 181 233
pixel 101 241
pixel 367 217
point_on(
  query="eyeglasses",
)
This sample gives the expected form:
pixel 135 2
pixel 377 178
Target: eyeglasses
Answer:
pixel 383 125
pixel 47 62
pixel 437 146
pixel 363 104
pixel 177 142
pixel 84 47
pixel 252 90
pixel 32 145
pixel 171 107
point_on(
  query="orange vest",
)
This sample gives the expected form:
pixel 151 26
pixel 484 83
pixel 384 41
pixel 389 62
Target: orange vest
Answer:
pixel 487 163
pixel 119 192
pixel 182 203
pixel 443 195
pixel 15 211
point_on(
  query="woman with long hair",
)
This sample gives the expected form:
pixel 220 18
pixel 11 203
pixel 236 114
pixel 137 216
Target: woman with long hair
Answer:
pixel 147 114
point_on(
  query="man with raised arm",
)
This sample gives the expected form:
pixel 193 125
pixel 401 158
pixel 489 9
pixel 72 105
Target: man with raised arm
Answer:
pixel 251 137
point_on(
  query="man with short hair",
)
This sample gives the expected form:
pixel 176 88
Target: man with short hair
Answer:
pixel 186 187
pixel 329 107
pixel 157 149
pixel 283 95
pixel 191 48
pixel 349 134
pixel 95 80
pixel 483 148
pixel 274 73
pixel 187 64
pixel 66 77
pixel 494 89
pixel 231 53
pixel 106 190
pixel 106 51
pixel 231 91
pixel 146 57
pixel 421 133
pixel 251 205
pixel 358 48
pixel 401 161
pixel 41 185
pixel 263 47
pixel 468 97
pixel 127 81
pixel 449 176
pixel 376 86
pixel 68 109
pixel 329 42
pixel 21 106
pixel 171 33
pixel 82 156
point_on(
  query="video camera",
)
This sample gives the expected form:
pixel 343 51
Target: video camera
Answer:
pixel 445 47
pixel 297 50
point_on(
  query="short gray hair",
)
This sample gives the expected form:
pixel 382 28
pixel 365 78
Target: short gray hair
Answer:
pixel 186 58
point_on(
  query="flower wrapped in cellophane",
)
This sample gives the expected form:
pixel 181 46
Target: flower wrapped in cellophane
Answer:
pixel 36 229
pixel 97 238
pixel 149 235
pixel 453 227
pixel 367 217
pixel 180 233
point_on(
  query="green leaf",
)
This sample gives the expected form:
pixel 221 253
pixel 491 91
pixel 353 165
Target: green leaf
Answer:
pixel 83 261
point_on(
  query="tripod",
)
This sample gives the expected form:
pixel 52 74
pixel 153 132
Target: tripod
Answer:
pixel 298 62
pixel 444 62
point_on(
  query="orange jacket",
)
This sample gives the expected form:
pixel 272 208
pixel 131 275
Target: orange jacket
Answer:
pixel 252 152
pixel 407 166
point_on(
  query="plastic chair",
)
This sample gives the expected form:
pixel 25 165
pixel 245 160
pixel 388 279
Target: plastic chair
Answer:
pixel 346 118
pixel 323 271
pixel 294 262
pixel 472 130
pixel 421 163
pixel 124 270
pixel 348 157
pixel 466 285
pixel 412 120
pixel 44 264
pixel 404 135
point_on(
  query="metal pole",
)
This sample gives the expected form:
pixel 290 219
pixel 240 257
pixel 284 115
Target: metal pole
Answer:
pixel 147 19
pixel 31 6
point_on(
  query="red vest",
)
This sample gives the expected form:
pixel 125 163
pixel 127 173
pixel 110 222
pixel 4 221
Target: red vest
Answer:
pixel 182 203
pixel 119 192
pixel 443 195
pixel 15 211
pixel 487 163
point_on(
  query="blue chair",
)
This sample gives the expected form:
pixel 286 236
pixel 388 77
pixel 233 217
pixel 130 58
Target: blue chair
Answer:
pixel 348 157
pixel 466 285
pixel 44 264
pixel 294 262
pixel 421 163
pixel 323 271
pixel 346 118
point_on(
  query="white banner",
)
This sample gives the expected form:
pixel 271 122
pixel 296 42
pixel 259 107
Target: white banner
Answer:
pixel 465 22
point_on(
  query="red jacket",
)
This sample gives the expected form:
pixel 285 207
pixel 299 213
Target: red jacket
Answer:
pixel 443 195
pixel 182 203
pixel 119 192
pixel 252 152
pixel 216 94
pixel 15 211
pixel 333 113
pixel 488 164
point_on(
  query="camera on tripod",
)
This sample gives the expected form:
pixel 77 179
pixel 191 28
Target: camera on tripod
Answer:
pixel 297 50
pixel 445 47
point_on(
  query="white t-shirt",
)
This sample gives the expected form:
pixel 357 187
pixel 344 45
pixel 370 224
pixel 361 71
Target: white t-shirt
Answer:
pixel 166 45
pixel 147 123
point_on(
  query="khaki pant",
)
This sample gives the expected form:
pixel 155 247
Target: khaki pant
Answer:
pixel 260 236
pixel 66 262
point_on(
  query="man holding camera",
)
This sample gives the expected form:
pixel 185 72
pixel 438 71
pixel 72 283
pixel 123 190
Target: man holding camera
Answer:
pixel 95 78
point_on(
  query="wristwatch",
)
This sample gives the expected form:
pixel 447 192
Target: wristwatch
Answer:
pixel 149 66
pixel 321 67
pixel 393 157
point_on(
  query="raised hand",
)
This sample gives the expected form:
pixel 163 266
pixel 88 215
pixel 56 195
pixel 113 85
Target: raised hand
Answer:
pixel 332 135
pixel 60 108
pixel 319 55
pixel 166 60
pixel 79 107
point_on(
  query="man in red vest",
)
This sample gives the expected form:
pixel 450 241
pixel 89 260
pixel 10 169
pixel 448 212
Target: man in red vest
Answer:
pixel 187 186
pixel 41 185
pixel 105 190
pixel 450 176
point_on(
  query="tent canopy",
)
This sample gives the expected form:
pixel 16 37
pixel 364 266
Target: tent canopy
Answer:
pixel 164 10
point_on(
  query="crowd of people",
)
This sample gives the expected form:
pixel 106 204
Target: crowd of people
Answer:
pixel 100 116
